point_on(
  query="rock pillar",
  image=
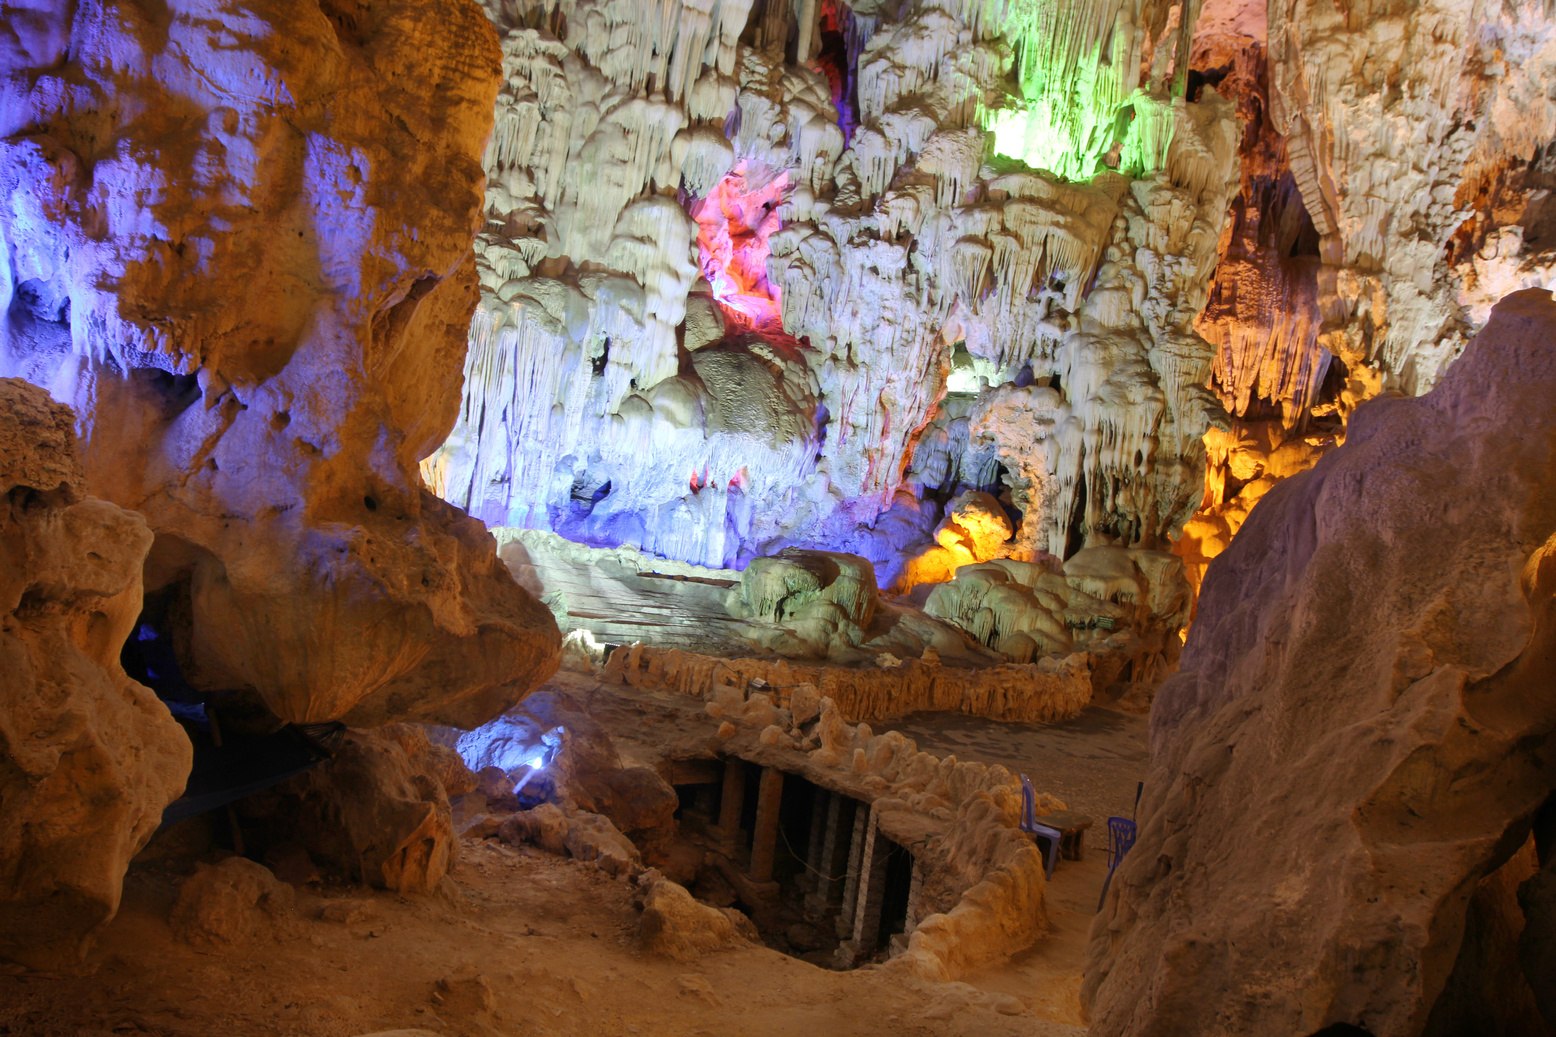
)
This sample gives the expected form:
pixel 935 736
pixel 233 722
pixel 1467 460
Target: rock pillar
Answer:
pixel 872 891
pixel 915 885
pixel 764 842
pixel 845 918
pixel 832 868
pixel 807 31
pixel 815 843
pixel 730 802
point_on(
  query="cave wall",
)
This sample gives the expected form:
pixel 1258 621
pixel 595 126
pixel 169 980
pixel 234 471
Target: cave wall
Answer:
pixel 726 286
pixel 1360 728
pixel 237 241
pixel 88 757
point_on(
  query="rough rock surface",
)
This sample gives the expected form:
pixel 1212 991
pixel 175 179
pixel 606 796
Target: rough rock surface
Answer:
pixel 1051 689
pixel 222 906
pixel 973 195
pixel 371 814
pixel 90 758
pixel 678 926
pixel 238 239
pixel 1360 729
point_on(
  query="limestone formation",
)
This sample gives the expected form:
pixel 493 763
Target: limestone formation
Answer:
pixel 723 295
pixel 239 242
pixel 1360 728
pixel 91 758
pixel 223 906
pixel 681 928
pixel 1416 238
pixel 371 814
pixel 1396 181
pixel 1124 605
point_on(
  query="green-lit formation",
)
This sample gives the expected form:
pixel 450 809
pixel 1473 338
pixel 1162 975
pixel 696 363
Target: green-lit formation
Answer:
pixel 1078 68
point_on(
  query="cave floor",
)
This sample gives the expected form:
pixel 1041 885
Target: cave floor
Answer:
pixel 554 941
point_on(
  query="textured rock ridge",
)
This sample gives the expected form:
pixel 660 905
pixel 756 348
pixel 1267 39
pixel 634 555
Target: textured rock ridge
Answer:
pixel 1361 726
pixel 237 237
pixel 88 757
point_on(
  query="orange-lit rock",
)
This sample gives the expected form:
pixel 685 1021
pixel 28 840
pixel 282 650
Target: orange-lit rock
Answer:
pixel 1360 727
pixel 88 757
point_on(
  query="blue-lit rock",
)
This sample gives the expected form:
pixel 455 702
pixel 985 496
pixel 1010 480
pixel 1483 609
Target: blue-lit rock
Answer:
pixel 237 240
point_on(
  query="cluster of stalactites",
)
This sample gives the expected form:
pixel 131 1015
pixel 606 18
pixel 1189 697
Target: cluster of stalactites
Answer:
pixel 891 250
pixel 1099 82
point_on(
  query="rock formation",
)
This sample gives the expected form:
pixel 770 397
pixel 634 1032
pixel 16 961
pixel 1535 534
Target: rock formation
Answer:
pixel 724 295
pixel 88 757
pixel 226 905
pixel 238 240
pixel 1048 690
pixel 373 813
pixel 1361 726
pixel 681 928
pixel 1396 182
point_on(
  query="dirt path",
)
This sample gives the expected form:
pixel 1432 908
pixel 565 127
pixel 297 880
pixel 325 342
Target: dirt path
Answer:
pixel 552 940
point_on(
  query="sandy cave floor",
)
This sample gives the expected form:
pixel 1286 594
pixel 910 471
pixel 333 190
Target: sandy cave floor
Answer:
pixel 555 941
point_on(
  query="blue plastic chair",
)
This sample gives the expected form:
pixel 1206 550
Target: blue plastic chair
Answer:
pixel 1121 836
pixel 1039 832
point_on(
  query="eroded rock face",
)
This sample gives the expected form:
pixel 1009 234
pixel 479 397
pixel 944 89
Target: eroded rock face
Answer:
pixel 1361 726
pixel 222 906
pixel 375 814
pixel 88 757
pixel 237 238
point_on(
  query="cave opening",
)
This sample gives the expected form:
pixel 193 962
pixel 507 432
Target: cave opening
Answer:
pixel 837 64
pixel 803 862
pixel 1075 529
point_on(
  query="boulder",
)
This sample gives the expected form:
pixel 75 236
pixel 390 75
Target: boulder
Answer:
pixel 804 703
pixel 91 758
pixel 640 800
pixel 777 588
pixel 262 348
pixel 226 905
pixel 369 815
pixel 676 925
pixel 1361 727
pixel 591 837
pixel 545 826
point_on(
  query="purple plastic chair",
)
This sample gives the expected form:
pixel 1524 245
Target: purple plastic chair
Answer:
pixel 1040 832
pixel 1121 836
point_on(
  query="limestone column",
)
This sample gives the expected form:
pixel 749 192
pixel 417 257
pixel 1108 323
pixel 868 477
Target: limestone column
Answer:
pixel 833 867
pixel 845 917
pixel 872 891
pixel 731 801
pixel 915 884
pixel 764 841
pixel 773 30
pixel 818 835
pixel 807 31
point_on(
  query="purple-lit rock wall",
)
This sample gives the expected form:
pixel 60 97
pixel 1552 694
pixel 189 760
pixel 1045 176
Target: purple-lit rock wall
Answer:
pixel 237 241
